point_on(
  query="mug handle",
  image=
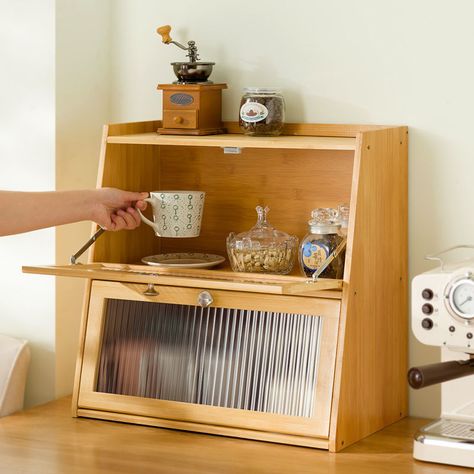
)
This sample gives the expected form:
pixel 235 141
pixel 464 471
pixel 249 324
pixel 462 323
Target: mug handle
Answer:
pixel 143 218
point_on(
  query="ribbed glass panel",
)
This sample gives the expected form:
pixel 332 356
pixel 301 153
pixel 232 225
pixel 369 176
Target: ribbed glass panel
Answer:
pixel 234 358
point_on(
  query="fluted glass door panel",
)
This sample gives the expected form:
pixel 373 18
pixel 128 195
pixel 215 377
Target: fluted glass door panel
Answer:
pixel 253 360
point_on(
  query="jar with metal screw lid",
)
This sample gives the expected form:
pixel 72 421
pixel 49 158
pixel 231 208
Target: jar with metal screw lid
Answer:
pixel 262 112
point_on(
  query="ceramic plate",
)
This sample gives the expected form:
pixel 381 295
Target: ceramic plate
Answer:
pixel 184 260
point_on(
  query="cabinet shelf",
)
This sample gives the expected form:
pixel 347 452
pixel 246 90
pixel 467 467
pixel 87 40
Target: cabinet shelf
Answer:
pixel 224 279
pixel 238 141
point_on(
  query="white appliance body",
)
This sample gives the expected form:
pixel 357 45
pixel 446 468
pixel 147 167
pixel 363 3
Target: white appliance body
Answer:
pixel 442 314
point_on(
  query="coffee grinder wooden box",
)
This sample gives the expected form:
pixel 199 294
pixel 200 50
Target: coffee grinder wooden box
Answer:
pixel 192 109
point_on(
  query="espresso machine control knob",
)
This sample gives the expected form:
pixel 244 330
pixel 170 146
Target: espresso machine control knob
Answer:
pixel 427 308
pixel 427 294
pixel 427 323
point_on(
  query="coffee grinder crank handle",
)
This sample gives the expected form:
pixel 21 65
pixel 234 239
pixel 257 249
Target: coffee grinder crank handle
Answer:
pixel 164 32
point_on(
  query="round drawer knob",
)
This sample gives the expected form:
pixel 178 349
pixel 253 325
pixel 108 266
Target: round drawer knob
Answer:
pixel 205 299
pixel 178 119
pixel 150 290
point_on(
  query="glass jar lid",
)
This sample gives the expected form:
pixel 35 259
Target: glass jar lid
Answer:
pixel 261 90
pixel 262 235
pixel 343 214
pixel 324 220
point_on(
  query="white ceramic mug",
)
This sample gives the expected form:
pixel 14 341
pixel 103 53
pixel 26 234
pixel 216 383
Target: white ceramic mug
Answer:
pixel 175 213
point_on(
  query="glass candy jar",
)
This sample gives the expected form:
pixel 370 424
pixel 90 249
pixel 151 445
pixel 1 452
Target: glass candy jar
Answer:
pixel 262 112
pixel 262 249
pixel 343 218
pixel 321 241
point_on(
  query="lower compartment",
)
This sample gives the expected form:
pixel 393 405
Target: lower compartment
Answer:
pixel 235 363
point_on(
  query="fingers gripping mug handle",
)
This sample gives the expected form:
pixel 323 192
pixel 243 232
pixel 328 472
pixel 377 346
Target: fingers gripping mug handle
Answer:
pixel 143 218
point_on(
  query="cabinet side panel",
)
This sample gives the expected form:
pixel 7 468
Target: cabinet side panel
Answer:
pixel 370 385
pixel 133 127
pixel 133 168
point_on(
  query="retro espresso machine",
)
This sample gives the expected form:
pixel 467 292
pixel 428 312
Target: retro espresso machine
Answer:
pixel 443 315
pixel 192 105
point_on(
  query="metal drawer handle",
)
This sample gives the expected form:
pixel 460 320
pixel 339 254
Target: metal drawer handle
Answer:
pixel 150 290
pixel 205 299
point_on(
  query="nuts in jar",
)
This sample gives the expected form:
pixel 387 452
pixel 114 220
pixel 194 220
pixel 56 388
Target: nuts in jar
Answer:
pixel 262 112
pixel 262 249
pixel 266 260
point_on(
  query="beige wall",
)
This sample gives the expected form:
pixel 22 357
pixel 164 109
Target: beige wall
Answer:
pixel 27 164
pixel 82 102
pixel 53 93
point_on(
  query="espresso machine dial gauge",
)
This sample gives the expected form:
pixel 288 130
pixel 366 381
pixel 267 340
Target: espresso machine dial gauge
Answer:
pixel 460 298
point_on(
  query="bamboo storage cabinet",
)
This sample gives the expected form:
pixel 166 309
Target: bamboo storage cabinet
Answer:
pixel 272 357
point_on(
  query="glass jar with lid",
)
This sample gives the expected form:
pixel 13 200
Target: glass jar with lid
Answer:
pixel 320 243
pixel 262 249
pixel 262 111
pixel 343 217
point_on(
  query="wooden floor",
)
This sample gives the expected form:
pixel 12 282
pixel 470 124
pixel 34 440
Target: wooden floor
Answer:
pixel 47 439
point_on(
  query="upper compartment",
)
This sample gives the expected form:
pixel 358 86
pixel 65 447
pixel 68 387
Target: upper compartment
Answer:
pixel 291 174
pixel 308 166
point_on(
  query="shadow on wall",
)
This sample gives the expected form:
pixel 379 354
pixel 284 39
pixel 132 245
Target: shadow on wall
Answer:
pixel 40 383
pixel 261 72
pixel 429 232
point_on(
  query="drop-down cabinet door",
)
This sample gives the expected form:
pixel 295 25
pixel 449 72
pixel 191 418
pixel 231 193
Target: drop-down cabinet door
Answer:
pixel 243 364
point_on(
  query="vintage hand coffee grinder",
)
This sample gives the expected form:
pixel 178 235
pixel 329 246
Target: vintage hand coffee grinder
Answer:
pixel 191 105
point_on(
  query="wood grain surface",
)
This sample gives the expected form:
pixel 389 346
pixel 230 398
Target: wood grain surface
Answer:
pixel 47 440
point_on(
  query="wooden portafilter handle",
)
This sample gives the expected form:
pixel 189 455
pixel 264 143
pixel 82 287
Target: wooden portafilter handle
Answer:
pixel 164 31
pixel 426 375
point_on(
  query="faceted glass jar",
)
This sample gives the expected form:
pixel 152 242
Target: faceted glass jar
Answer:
pixel 262 112
pixel 262 249
pixel 343 218
pixel 320 243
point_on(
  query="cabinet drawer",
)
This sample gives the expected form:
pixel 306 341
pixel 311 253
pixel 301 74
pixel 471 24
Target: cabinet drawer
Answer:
pixel 180 118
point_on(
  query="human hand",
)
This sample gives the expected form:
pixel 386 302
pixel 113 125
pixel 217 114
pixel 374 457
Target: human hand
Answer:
pixel 115 209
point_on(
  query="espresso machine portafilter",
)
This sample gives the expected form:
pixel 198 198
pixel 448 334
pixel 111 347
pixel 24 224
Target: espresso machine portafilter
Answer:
pixel 426 375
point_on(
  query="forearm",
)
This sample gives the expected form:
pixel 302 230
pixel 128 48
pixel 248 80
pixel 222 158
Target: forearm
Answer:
pixel 26 211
